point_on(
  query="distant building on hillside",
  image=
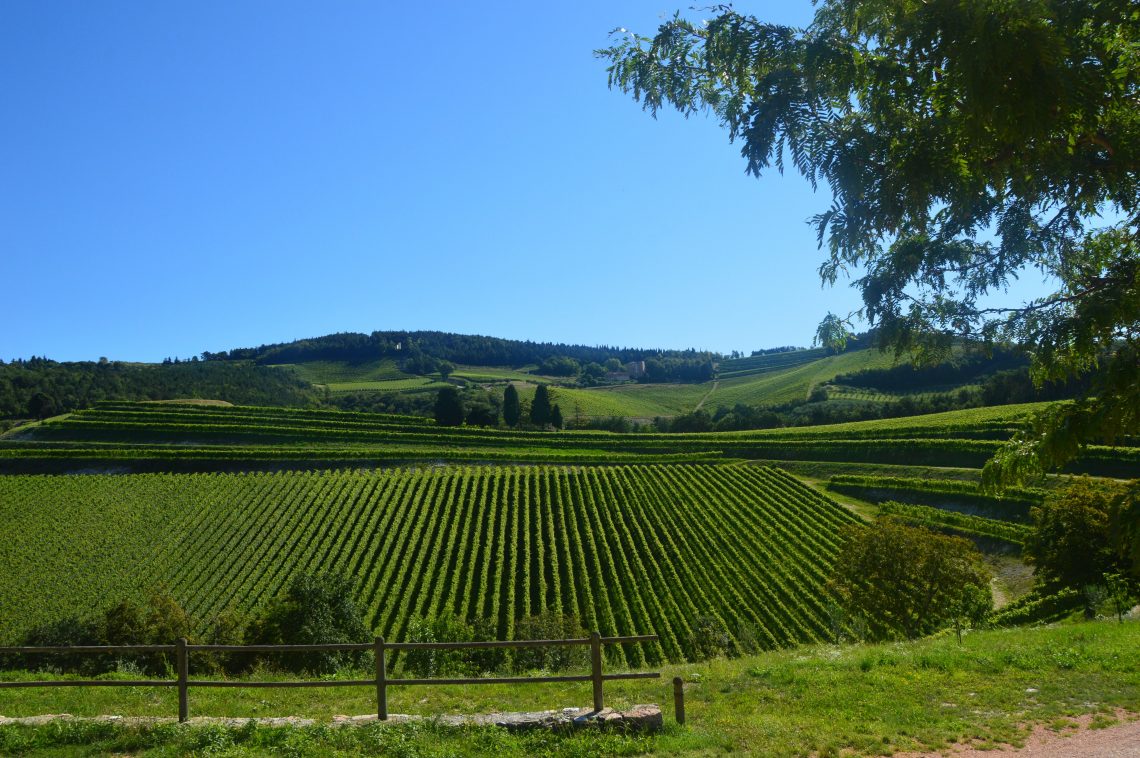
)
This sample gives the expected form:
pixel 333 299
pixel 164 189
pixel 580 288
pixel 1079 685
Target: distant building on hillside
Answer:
pixel 635 368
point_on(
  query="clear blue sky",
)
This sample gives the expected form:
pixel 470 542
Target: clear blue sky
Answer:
pixel 180 177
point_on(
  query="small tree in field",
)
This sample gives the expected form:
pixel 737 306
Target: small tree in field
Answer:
pixel 909 582
pixel 1071 542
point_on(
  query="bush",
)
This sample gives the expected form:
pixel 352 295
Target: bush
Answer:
pixel 316 609
pixel 161 622
pixel 67 632
pixel 433 663
pixel 486 659
pixel 227 628
pixel 710 639
pixel 1071 541
pixel 550 625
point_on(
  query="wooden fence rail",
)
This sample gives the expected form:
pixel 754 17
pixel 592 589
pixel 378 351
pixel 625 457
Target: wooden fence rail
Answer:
pixel 181 651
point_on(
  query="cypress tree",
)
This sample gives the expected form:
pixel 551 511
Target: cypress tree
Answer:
pixel 511 410
pixel 540 406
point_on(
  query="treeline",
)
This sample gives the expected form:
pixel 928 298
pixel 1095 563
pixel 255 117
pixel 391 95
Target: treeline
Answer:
pixel 38 388
pixel 468 349
pixel 315 609
pixel 774 350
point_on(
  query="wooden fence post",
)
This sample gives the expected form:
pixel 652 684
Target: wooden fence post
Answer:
pixel 679 699
pixel 596 668
pixel 381 680
pixel 183 664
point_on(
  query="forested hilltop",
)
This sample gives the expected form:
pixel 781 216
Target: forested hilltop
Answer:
pixel 596 387
pixel 422 352
pixel 38 388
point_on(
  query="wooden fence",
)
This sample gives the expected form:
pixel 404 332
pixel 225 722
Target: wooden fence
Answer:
pixel 182 649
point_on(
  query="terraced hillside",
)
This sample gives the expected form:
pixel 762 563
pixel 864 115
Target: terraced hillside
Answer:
pixel 373 376
pixel 161 437
pixel 628 549
pixel 766 379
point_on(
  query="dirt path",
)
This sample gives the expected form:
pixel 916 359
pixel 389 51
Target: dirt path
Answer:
pixel 706 397
pixel 1075 740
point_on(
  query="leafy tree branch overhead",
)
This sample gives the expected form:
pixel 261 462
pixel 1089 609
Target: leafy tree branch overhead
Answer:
pixel 965 145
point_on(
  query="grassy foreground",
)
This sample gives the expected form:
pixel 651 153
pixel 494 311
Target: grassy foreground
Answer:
pixel 863 699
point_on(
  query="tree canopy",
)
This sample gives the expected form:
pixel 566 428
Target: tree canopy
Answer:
pixel 908 581
pixel 449 410
pixel 965 145
pixel 1083 533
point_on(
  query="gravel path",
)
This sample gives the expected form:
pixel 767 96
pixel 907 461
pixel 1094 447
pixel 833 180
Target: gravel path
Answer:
pixel 1119 741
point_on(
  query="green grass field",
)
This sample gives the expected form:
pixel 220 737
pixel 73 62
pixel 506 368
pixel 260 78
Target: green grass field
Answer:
pixel 416 384
pixel 772 382
pixel 493 374
pixel 861 700
pixel 339 372
pixel 794 383
pixel 628 400
pixel 773 379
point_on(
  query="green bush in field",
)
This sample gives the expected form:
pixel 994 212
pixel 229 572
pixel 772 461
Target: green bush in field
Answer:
pixel 66 632
pixel 449 409
pixel 316 609
pixel 161 622
pixel 550 625
pixel 710 639
pixel 448 627
pixel 1071 543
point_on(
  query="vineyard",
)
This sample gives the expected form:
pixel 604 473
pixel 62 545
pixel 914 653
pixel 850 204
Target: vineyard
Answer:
pixel 761 364
pixel 965 497
pixel 956 523
pixel 764 379
pixel 627 549
pixel 151 436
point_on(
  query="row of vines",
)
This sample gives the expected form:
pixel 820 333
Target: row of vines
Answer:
pixel 146 435
pixel 632 549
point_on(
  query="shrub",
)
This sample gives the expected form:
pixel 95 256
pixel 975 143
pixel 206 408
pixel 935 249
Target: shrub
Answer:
pixel 710 639
pixel 550 625
pixel 67 632
pixel 432 663
pixel 316 609
pixel 161 622
pixel 226 628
